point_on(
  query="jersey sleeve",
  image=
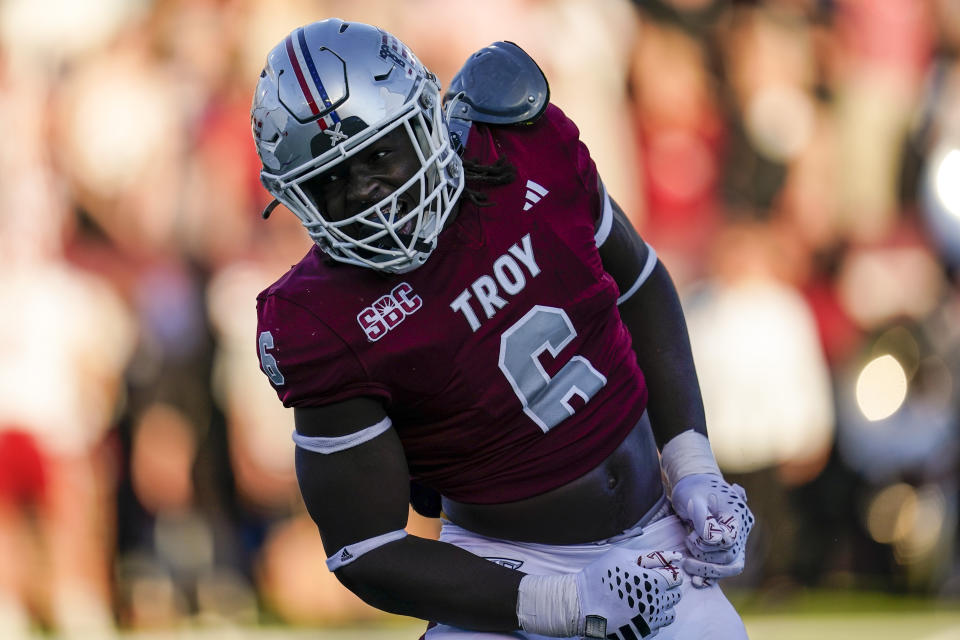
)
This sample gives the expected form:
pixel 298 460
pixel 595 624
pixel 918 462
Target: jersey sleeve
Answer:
pixel 626 256
pixel 568 136
pixel 307 363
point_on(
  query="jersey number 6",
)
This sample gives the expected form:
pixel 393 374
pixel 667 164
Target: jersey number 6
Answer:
pixel 546 400
pixel 267 361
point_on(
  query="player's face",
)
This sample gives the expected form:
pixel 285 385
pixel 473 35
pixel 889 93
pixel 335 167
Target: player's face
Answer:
pixel 366 178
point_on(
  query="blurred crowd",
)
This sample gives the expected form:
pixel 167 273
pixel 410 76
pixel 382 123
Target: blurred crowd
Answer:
pixel 796 164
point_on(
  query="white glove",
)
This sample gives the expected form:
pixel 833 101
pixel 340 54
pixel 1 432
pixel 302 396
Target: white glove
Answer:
pixel 630 594
pixel 720 520
pixel 716 511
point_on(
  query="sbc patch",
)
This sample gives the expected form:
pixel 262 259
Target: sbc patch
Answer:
pixel 389 311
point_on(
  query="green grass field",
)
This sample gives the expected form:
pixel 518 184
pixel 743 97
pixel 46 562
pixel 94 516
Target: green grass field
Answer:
pixel 830 615
pixel 882 625
pixel 808 615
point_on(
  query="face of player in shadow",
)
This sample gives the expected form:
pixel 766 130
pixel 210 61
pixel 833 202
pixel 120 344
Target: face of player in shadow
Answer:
pixel 365 179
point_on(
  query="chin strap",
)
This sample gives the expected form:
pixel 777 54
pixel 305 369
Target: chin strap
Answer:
pixel 269 208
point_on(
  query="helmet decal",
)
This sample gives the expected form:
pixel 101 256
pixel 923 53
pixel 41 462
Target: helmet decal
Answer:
pixel 301 58
pixel 392 49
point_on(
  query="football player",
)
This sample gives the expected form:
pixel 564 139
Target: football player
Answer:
pixel 478 316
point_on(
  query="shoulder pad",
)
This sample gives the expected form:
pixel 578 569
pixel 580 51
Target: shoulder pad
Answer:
pixel 499 84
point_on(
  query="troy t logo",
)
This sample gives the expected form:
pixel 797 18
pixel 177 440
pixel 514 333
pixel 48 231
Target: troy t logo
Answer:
pixel 388 311
pixel 658 556
pixel 728 523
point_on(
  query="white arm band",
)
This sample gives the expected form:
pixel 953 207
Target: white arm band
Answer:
pixel 549 605
pixel 644 274
pixel 606 219
pixel 351 552
pixel 603 232
pixel 686 454
pixel 320 444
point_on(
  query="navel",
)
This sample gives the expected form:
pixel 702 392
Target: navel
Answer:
pixel 612 482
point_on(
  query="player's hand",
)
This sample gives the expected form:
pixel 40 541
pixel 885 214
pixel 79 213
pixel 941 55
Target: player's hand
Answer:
pixel 720 520
pixel 628 594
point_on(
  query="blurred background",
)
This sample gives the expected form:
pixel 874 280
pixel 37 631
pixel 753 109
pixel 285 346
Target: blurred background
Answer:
pixel 796 164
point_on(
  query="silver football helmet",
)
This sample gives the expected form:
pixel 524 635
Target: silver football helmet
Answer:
pixel 331 89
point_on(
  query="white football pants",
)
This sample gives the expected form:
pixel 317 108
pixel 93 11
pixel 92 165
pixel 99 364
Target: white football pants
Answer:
pixel 701 614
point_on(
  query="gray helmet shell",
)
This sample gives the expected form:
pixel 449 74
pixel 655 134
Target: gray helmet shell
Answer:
pixel 329 90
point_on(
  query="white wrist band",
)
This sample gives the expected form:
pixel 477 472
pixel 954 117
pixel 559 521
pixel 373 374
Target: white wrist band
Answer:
pixel 549 605
pixel 686 454
pixel 351 552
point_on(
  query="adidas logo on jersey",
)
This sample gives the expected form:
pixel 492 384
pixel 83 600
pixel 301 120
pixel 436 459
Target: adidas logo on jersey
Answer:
pixel 535 193
pixel 346 555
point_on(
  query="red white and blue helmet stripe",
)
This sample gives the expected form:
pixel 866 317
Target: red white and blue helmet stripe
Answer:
pixel 300 59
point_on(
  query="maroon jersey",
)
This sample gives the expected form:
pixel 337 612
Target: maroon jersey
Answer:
pixel 502 361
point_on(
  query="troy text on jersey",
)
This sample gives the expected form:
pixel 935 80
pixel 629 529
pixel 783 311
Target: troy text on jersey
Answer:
pixel 508 277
